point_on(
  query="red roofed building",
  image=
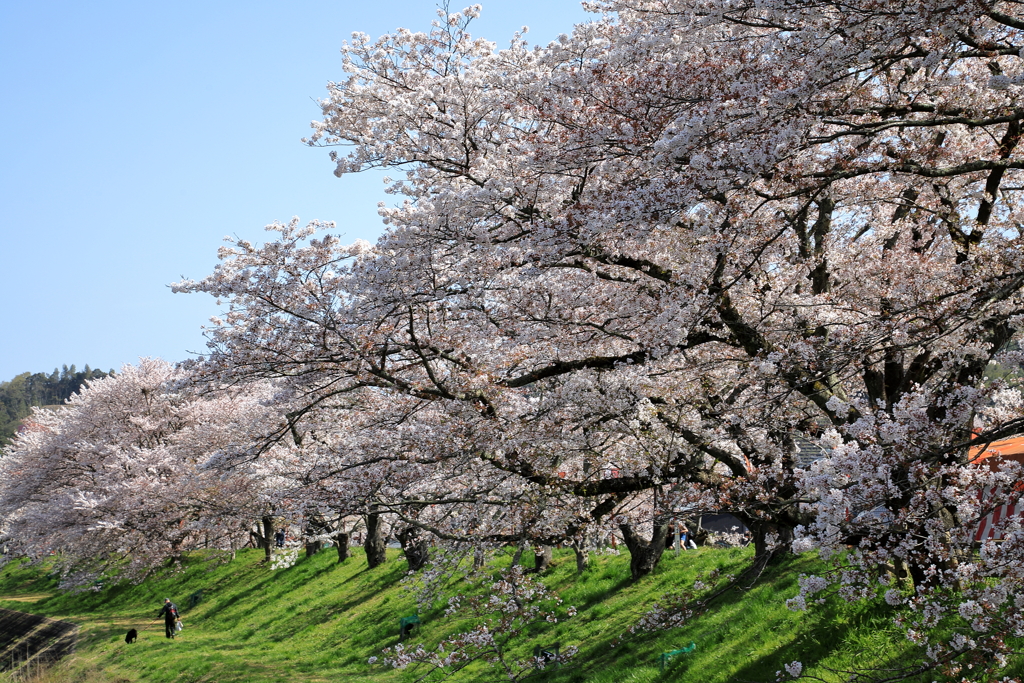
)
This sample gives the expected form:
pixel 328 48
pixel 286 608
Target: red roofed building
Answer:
pixel 27 425
pixel 1009 450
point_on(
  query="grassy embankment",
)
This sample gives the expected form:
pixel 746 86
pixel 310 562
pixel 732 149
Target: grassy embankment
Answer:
pixel 321 621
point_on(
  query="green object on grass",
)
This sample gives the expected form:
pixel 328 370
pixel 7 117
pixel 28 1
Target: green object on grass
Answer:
pixel 406 624
pixel 195 598
pixel 666 657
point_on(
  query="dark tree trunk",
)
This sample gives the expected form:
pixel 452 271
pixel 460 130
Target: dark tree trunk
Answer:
pixel 518 554
pixel 780 535
pixel 268 538
pixel 313 529
pixel 542 555
pixel 415 547
pixel 315 526
pixel 920 559
pixel 644 555
pixel 375 545
pixel 478 558
pixel 342 541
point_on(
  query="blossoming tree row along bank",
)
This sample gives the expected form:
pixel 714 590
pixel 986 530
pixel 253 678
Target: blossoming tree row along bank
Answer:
pixel 118 480
pixel 682 239
pixel 677 242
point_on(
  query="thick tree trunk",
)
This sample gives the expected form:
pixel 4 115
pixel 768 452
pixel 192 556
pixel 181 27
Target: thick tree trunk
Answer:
pixel 542 555
pixel 315 526
pixel 478 558
pixel 342 541
pixel 582 556
pixel 518 554
pixel 375 545
pixel 644 555
pixel 772 540
pixel 268 538
pixel 919 562
pixel 415 547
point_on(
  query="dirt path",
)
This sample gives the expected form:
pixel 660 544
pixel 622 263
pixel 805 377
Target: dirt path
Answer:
pixel 25 598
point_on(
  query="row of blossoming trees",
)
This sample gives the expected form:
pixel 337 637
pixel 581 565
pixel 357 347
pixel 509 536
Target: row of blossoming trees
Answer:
pixel 681 240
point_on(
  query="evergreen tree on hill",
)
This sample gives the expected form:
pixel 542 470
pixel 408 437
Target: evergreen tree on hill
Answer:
pixel 18 395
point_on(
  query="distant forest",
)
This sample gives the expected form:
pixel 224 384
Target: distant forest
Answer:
pixel 26 390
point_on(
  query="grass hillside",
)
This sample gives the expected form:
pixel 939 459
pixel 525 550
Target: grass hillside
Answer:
pixel 321 621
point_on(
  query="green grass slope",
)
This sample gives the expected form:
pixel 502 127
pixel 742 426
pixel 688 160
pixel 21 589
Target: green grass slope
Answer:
pixel 321 621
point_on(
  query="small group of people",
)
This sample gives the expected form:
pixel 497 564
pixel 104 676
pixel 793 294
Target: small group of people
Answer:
pixel 685 537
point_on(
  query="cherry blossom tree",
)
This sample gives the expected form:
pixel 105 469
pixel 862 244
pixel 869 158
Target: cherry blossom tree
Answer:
pixel 817 215
pixel 119 479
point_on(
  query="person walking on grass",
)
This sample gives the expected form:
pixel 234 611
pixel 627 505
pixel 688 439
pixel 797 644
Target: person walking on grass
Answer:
pixel 170 615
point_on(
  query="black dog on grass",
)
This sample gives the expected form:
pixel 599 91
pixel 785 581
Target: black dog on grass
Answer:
pixel 132 635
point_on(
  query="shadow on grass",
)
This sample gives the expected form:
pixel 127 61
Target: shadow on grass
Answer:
pixel 599 596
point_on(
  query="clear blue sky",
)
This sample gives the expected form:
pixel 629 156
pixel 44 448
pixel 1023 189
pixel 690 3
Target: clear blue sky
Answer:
pixel 135 135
